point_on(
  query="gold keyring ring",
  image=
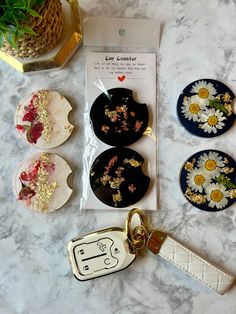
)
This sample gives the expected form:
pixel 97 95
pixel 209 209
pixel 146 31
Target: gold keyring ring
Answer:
pixel 137 239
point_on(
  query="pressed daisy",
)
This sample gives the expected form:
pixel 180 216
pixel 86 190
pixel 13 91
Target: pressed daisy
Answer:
pixel 211 163
pixel 216 194
pixel 192 107
pixel 211 120
pixel 197 179
pixel 204 90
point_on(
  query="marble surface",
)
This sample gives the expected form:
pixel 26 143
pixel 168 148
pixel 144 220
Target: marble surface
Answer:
pixel 197 40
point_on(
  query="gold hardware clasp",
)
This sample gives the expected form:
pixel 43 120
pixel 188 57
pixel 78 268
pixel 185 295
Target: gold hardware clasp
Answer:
pixel 138 235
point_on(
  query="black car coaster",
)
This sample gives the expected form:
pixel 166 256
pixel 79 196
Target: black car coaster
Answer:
pixel 117 119
pixel 116 177
pixel 205 108
pixel 207 180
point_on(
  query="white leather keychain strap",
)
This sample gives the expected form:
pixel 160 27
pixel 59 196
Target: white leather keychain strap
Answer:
pixel 193 264
pixel 159 242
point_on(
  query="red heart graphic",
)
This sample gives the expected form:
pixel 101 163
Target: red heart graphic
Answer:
pixel 121 78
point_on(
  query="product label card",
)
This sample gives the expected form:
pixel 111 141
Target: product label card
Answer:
pixel 136 72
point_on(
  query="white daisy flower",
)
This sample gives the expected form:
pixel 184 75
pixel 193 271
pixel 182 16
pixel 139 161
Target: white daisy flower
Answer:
pixel 197 179
pixel 216 194
pixel 204 90
pixel 211 120
pixel 192 107
pixel 211 163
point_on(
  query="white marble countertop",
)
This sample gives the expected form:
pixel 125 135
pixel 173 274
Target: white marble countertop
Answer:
pixel 197 40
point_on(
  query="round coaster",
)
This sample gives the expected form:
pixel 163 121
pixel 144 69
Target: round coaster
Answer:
pixel 42 119
pixel 205 108
pixel 116 177
pixel 41 184
pixel 208 180
pixel 117 119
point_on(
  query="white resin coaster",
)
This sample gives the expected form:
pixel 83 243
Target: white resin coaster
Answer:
pixel 42 119
pixel 41 183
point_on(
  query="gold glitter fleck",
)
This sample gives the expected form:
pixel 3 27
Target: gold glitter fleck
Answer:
pixel 116 182
pixel 44 189
pixel 106 178
pixel 41 103
pixel 117 197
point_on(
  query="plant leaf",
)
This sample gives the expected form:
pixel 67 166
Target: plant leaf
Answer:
pixel 225 181
pixel 10 39
pixel 28 30
pixel 1 40
pixel 19 4
pixel 218 106
pixel 33 13
pixel 31 4
pixel 14 15
pixel 3 28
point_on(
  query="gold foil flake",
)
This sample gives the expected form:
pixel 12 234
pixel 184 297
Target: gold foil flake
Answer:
pixel 229 108
pixel 132 162
pixel 106 178
pixel 119 171
pixel 44 189
pixel 232 193
pixel 149 132
pixel 227 97
pixel 117 197
pixel 45 158
pixel 41 103
pixel 116 182
pixel 189 165
pixel 195 198
pixel 228 170
pixel 110 114
pixel 226 160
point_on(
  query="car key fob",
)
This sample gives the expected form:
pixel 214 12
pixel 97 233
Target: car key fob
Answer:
pixel 100 253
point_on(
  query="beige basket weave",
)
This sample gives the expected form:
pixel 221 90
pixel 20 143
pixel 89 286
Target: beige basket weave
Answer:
pixel 48 28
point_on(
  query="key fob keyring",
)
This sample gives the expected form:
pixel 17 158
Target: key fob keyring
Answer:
pixel 109 250
pixel 100 253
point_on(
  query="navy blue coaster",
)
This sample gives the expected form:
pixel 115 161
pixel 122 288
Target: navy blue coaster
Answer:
pixel 205 108
pixel 117 119
pixel 116 177
pixel 207 180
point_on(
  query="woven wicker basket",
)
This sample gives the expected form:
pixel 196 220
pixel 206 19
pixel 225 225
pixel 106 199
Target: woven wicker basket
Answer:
pixel 48 28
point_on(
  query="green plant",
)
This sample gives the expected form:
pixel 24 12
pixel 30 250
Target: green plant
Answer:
pixel 225 181
pixel 217 104
pixel 14 15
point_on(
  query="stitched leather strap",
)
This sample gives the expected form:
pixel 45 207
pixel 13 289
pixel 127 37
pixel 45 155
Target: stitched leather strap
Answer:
pixel 196 266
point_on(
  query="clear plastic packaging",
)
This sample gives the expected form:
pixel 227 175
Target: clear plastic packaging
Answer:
pixel 115 66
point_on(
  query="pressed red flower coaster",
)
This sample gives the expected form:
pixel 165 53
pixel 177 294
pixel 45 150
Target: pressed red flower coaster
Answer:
pixel 205 108
pixel 41 182
pixel 117 119
pixel 116 177
pixel 208 180
pixel 42 119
